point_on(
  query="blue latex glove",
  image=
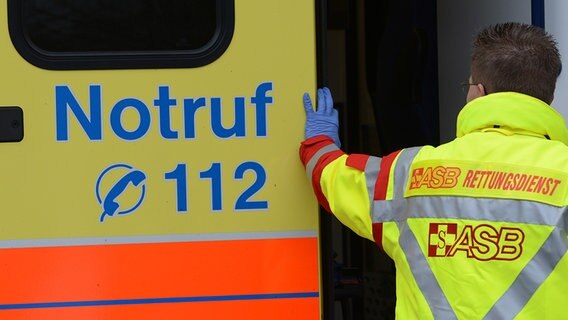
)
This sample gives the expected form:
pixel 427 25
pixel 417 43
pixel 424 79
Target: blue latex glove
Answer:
pixel 325 120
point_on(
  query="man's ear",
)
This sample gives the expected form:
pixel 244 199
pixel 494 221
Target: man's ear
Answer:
pixel 481 89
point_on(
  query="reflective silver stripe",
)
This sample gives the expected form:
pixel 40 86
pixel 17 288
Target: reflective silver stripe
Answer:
pixel 494 210
pixel 372 168
pixel 532 276
pixel 385 211
pixel 429 286
pixel 439 304
pixel 402 170
pixel 62 242
pixel 315 158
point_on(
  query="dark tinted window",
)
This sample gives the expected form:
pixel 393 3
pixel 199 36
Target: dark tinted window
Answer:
pixel 119 25
pixel 101 30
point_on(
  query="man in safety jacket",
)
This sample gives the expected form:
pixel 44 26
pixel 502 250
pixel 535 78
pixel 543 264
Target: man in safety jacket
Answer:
pixel 477 227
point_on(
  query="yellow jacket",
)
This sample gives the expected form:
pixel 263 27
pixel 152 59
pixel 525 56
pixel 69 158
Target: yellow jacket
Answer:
pixel 477 227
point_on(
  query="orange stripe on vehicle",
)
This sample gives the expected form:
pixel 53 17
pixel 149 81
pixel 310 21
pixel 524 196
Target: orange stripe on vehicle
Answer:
pixel 159 270
pixel 274 309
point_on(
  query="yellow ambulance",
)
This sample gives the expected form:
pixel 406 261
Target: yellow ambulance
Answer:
pixel 149 165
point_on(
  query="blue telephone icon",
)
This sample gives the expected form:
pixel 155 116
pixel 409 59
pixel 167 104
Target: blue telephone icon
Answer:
pixel 110 203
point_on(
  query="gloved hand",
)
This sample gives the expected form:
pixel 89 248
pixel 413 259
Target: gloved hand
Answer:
pixel 325 120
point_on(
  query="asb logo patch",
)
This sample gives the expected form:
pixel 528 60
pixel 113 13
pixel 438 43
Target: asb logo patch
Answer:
pixel 481 242
pixel 435 177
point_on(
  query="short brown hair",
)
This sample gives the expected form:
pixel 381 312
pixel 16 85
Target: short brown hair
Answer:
pixel 516 57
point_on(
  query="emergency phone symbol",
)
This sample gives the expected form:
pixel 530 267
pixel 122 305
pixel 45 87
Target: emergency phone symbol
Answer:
pixel 125 189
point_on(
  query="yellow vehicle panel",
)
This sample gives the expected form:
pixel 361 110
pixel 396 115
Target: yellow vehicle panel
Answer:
pixel 198 157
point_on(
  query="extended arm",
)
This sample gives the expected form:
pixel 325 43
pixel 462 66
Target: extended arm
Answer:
pixel 343 183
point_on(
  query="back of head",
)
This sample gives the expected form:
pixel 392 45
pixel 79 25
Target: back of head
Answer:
pixel 516 57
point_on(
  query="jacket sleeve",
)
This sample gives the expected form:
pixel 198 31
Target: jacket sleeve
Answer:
pixel 343 184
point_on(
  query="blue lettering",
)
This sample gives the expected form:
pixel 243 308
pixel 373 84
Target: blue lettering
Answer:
pixel 67 109
pixel 190 106
pixel 116 116
pixel 92 125
pixel 164 103
pixel 238 128
pixel 260 100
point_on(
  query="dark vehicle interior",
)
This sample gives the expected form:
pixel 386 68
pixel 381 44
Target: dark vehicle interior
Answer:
pixel 379 58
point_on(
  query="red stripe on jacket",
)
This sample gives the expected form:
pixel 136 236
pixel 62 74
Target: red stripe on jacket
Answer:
pixel 383 180
pixel 357 161
pixel 308 149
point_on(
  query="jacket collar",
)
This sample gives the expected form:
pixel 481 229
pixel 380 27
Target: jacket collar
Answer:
pixel 517 112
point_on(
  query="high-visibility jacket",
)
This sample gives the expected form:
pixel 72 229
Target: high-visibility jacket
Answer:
pixel 477 227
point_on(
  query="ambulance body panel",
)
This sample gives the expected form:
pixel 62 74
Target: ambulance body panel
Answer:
pixel 159 189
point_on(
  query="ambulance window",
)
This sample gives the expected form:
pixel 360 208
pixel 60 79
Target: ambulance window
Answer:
pixel 116 34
